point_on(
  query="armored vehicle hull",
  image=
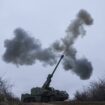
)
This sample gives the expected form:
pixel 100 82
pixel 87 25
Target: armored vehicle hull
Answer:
pixel 44 95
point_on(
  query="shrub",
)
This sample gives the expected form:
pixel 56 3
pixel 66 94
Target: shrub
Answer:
pixel 6 95
pixel 95 92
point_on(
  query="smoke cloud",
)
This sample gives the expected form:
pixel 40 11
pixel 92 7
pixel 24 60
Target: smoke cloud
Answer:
pixel 25 50
pixel 85 66
pixel 81 67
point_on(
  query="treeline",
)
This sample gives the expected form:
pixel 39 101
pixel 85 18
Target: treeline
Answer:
pixel 95 92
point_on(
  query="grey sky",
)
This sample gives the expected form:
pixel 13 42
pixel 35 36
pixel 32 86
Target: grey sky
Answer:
pixel 47 20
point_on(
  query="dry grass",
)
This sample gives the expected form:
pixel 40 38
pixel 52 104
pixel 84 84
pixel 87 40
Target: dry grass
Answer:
pixel 39 104
pixel 57 103
pixel 68 103
pixel 79 103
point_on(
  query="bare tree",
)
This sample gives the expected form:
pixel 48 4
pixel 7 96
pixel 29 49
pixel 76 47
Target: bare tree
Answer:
pixel 5 92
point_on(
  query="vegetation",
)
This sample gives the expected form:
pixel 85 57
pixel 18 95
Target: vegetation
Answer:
pixel 95 92
pixel 6 97
pixel 93 95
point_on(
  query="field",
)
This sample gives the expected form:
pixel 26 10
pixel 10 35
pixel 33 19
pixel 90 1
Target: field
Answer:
pixel 69 103
pixel 56 103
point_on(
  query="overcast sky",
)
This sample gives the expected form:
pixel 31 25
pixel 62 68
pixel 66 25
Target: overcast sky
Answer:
pixel 47 20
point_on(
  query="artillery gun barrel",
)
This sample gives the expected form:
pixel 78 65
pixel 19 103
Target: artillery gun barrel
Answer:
pixel 57 65
pixel 47 82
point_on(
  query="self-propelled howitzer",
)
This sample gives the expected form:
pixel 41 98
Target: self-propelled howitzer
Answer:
pixel 48 81
pixel 45 93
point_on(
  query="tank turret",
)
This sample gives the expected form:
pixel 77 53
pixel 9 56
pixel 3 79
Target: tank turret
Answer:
pixel 45 93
